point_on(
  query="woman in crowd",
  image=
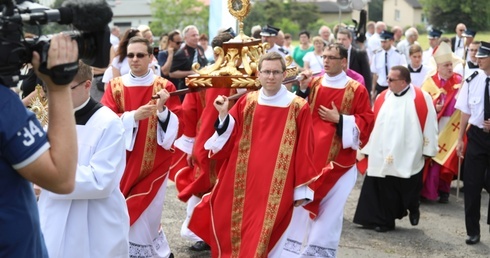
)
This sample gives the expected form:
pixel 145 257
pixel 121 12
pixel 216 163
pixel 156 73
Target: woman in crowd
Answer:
pixel 313 60
pixel 163 43
pixel 208 51
pixel 303 48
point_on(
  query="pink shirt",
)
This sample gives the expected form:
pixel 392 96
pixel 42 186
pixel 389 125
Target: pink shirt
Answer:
pixel 356 76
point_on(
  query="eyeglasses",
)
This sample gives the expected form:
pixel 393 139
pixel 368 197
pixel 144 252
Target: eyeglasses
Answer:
pixel 273 72
pixel 178 42
pixel 392 80
pixel 73 87
pixel 138 55
pixel 331 57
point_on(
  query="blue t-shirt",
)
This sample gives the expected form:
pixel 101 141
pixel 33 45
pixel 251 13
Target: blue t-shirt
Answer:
pixel 22 140
pixel 162 57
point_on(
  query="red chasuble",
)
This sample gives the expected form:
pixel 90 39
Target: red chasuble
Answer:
pixel 330 157
pixel 269 156
pixel 199 115
pixel 148 163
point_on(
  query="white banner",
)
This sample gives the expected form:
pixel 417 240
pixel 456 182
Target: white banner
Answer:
pixel 220 18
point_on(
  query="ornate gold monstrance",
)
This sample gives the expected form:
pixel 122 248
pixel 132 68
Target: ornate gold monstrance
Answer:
pixel 237 61
pixel 39 105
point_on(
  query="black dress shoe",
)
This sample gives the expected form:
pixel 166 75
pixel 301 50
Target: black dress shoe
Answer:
pixel 443 197
pixel 471 240
pixel 200 246
pixel 171 255
pixel 382 229
pixel 414 217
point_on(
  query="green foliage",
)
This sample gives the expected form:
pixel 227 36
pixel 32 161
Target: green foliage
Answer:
pixel 57 4
pixel 290 17
pixel 375 10
pixel 447 14
pixel 288 26
pixel 177 14
pixel 421 28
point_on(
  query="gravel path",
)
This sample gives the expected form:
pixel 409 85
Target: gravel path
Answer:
pixel 440 233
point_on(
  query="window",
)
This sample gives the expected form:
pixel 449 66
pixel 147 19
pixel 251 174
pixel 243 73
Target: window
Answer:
pixel 122 24
pixel 397 15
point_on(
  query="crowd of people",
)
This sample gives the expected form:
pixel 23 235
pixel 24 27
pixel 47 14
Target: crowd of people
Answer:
pixel 267 175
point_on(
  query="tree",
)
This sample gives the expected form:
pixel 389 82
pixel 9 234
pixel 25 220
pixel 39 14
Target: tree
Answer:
pixel 447 14
pixel 375 10
pixel 277 12
pixel 176 14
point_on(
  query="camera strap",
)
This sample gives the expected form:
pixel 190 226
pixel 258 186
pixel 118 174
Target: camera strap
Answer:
pixel 60 74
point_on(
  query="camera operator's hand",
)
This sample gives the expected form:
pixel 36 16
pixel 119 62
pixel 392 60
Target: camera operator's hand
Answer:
pixel 62 50
pixel 55 168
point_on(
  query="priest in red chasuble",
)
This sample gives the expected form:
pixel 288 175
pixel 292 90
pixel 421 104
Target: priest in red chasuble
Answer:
pixel 198 176
pixel 342 122
pixel 151 127
pixel 267 140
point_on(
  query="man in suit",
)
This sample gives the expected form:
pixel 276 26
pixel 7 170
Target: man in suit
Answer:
pixel 357 59
pixel 457 42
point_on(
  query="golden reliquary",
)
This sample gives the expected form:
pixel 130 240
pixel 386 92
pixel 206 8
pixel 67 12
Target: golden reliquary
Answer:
pixel 39 105
pixel 237 61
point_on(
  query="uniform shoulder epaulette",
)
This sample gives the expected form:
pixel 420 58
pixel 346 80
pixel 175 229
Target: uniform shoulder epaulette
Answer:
pixel 472 77
pixel 378 50
pixel 284 51
pixel 398 51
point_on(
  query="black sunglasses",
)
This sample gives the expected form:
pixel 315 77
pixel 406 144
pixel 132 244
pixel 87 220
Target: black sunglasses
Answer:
pixel 138 55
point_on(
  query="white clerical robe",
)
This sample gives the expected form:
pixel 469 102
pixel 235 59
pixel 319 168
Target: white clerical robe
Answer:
pixel 93 220
pixel 397 145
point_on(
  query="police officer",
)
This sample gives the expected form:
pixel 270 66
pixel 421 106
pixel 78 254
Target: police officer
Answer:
pixel 434 35
pixel 269 35
pixel 474 103
pixel 383 59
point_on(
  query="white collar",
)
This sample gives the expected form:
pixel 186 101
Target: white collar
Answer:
pixel 337 82
pixel 131 80
pixel 281 99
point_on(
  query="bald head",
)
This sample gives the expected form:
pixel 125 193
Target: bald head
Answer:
pixel 460 28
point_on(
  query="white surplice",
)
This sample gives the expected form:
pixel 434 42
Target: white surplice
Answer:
pixel 93 220
pixel 397 119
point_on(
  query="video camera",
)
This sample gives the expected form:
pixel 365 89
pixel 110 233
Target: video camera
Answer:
pixel 90 18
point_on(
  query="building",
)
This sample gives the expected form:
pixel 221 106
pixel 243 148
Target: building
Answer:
pixel 329 12
pixel 403 13
pixel 130 13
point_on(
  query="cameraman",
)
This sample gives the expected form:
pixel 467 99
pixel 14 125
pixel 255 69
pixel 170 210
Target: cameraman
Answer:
pixel 26 155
